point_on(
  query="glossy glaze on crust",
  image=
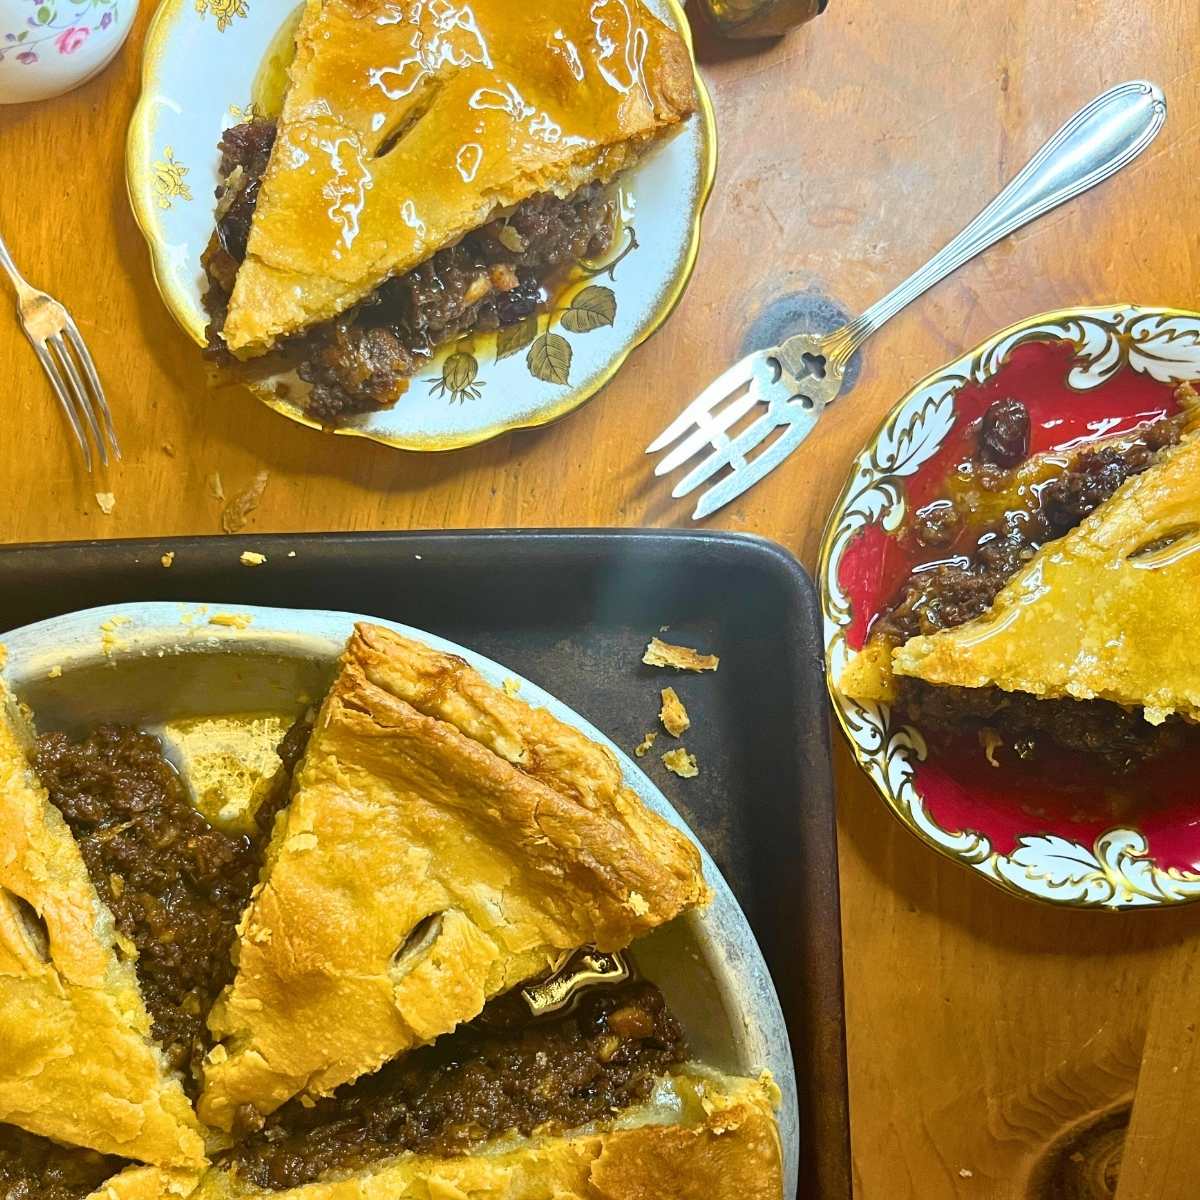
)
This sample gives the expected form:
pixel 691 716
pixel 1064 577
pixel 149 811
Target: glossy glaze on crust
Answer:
pixel 711 1137
pixel 1105 613
pixel 407 126
pixel 444 843
pixel 76 1060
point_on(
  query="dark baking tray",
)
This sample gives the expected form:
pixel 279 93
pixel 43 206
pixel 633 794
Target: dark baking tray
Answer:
pixel 572 611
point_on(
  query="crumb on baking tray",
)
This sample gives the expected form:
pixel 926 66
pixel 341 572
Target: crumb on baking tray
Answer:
pixel 107 502
pixel 673 715
pixel 252 558
pixel 55 672
pixel 231 620
pixel 682 763
pixel 643 747
pixel 168 559
pixel 681 658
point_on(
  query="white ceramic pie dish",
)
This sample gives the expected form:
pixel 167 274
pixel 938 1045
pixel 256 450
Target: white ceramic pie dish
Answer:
pixel 158 663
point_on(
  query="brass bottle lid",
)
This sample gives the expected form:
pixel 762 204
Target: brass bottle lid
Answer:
pixel 760 18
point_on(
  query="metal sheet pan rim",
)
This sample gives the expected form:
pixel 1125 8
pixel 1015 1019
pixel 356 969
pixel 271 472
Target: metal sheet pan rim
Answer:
pixel 142 629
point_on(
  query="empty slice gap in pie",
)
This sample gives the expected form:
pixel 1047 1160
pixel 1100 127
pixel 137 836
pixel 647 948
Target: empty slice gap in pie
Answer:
pixel 78 1063
pixel 1069 623
pixel 699 1136
pixel 436 168
pixel 444 842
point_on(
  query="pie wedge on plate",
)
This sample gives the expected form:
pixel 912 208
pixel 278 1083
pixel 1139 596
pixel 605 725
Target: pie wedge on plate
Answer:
pixel 1083 643
pixel 436 169
pixel 444 843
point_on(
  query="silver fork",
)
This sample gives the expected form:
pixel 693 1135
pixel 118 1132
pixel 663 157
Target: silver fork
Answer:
pixel 65 358
pixel 797 381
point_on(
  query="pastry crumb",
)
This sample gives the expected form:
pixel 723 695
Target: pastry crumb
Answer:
pixel 643 747
pixel 681 658
pixel 966 1173
pixel 168 449
pixel 291 554
pixel 252 558
pixel 107 502
pixel 682 763
pixel 237 511
pixel 673 715
pixel 231 620
pixel 168 559
pixel 511 686
pixel 55 672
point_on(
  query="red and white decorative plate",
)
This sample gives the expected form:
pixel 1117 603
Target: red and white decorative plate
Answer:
pixel 1071 836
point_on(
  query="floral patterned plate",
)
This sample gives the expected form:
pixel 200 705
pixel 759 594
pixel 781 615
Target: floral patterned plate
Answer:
pixel 204 67
pixel 1072 836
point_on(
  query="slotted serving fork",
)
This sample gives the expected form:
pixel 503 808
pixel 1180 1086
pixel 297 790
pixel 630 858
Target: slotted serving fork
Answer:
pixel 797 381
pixel 65 358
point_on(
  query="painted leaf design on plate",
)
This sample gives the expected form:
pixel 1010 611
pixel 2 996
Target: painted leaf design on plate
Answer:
pixel 594 308
pixel 513 338
pixel 549 359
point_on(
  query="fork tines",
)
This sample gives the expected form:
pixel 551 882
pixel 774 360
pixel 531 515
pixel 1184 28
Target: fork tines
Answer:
pixel 72 373
pixel 758 379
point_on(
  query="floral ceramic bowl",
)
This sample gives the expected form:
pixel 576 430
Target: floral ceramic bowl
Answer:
pixel 209 64
pixel 1070 836
pixel 48 47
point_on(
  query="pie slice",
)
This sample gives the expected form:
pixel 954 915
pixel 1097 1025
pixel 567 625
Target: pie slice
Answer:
pixel 1107 612
pixel 77 1063
pixel 703 1136
pixel 406 128
pixel 444 843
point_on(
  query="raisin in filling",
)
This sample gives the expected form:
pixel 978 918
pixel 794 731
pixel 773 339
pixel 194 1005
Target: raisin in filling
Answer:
pixel 496 276
pixel 36 1168
pixel 951 593
pixel 502 1072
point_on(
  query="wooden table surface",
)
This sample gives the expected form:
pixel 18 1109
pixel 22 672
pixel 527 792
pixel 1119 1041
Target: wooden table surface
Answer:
pixel 984 1034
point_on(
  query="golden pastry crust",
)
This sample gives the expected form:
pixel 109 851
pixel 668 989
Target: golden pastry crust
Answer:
pixel 445 841
pixel 1101 613
pixel 475 109
pixel 722 1145
pixel 76 1060
pixel 148 1183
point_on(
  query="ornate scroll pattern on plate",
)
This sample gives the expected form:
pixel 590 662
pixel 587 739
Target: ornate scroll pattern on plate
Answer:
pixel 1118 871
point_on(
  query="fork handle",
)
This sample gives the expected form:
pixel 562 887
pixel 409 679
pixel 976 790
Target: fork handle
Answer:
pixel 1095 143
pixel 10 267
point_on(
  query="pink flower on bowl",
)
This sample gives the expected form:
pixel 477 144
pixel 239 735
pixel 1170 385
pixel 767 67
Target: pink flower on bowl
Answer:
pixel 71 39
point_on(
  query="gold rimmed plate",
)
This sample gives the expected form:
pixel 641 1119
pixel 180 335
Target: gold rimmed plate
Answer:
pixel 209 64
pixel 1066 832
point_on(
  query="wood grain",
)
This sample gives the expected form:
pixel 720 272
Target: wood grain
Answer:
pixel 982 1031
